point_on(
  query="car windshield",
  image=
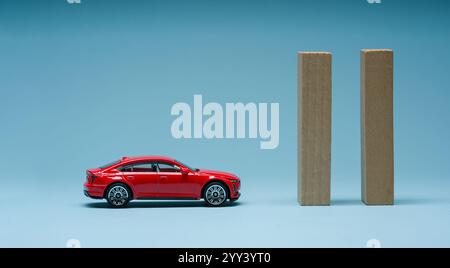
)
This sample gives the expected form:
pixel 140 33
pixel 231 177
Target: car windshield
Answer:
pixel 109 164
pixel 183 164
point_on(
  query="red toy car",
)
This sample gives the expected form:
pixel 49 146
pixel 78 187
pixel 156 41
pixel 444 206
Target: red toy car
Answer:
pixel 158 177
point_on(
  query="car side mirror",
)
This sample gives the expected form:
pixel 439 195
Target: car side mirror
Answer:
pixel 184 171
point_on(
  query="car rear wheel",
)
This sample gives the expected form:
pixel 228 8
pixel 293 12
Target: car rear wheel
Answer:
pixel 118 195
pixel 215 194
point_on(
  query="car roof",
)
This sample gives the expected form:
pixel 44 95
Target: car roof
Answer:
pixel 146 157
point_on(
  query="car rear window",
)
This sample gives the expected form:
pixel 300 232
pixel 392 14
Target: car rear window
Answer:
pixel 109 164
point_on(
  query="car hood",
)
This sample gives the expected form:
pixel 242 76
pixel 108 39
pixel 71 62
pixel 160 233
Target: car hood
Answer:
pixel 219 174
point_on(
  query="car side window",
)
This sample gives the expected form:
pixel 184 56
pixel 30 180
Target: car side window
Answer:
pixel 127 168
pixel 166 167
pixel 140 167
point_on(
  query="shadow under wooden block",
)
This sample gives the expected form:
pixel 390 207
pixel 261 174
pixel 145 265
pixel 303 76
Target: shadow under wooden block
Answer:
pixel 314 128
pixel 377 144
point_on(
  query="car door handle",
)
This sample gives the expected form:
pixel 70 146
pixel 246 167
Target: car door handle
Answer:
pixel 163 177
pixel 130 177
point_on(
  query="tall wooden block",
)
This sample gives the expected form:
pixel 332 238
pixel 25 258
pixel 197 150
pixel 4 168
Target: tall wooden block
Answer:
pixel 377 148
pixel 314 128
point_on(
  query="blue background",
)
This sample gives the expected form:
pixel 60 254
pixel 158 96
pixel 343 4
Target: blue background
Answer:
pixel 84 84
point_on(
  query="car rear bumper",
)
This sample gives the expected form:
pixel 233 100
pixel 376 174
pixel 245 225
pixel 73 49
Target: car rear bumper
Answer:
pixel 86 193
pixel 93 191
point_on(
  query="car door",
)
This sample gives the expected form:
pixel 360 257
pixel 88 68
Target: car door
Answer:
pixel 172 183
pixel 144 178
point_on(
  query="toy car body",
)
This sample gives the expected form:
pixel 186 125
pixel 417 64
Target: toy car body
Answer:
pixel 158 177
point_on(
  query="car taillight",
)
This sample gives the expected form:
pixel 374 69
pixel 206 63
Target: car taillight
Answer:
pixel 90 177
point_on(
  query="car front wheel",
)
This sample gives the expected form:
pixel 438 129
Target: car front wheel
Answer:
pixel 215 194
pixel 118 195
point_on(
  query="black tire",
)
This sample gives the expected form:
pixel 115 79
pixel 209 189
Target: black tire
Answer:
pixel 118 195
pixel 215 194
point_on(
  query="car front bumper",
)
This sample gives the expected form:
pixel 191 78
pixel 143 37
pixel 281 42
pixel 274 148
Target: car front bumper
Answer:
pixel 235 189
pixel 236 197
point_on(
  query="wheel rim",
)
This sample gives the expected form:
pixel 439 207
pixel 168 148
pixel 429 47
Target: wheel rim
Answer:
pixel 118 195
pixel 215 194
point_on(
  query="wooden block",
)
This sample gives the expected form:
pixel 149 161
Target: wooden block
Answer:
pixel 314 128
pixel 377 142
